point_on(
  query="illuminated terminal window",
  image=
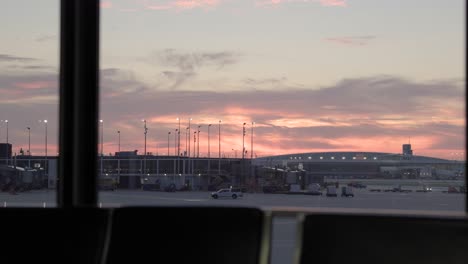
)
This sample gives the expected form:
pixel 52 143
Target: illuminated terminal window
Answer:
pixel 365 158
pixel 332 157
pixel 343 157
pixel 321 157
pixel 310 157
pixel 354 157
pixel 375 158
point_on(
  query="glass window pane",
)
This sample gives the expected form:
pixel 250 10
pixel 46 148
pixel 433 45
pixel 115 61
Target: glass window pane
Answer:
pixel 29 103
pixel 332 104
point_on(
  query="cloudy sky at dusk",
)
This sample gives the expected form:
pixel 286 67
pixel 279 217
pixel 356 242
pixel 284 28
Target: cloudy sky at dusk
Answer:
pixel 314 75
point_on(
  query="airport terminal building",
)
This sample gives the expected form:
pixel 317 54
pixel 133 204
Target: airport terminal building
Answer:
pixel 367 165
pixel 132 170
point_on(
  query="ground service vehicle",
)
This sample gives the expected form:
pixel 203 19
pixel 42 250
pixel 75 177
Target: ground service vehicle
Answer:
pixel 227 193
pixel 107 184
pixel 347 191
pixel 314 189
pixel 331 191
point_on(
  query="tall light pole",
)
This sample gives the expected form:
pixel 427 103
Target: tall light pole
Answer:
pixel 190 119
pixel 251 141
pixel 118 161
pixel 45 122
pixel 118 132
pixel 219 148
pixel 175 149
pixel 175 141
pixel 178 138
pixel 194 147
pixel 144 157
pixel 178 147
pixel 1 131
pixel 6 149
pixel 168 135
pixel 243 137
pixel 187 139
pixel 145 132
pixel 29 147
pixel 6 121
pixel 102 136
pixel 194 143
pixel 29 140
pixel 198 142
pixel 209 140
pixel 102 142
pixel 45 163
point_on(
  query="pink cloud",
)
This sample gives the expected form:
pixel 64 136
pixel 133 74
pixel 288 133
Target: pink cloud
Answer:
pixel 159 7
pixel 34 85
pixel 340 3
pixel 353 40
pixel 189 4
pixel 207 4
pixel 106 4
pixel 128 9
pixel 182 4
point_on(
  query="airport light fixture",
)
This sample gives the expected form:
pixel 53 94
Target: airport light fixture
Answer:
pixel 29 146
pixel 188 141
pixel 118 132
pixel 178 138
pixel 168 135
pixel 219 148
pixel 251 140
pixel 146 132
pixel 102 143
pixel 198 141
pixel 243 137
pixel 102 136
pixel 6 121
pixel 29 140
pixel 178 147
pixel 209 140
pixel 190 119
pixel 194 143
pixel 175 141
pixel 45 147
pixel 118 162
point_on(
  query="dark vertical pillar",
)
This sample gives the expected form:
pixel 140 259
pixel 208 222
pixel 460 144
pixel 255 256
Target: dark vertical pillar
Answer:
pixel 79 98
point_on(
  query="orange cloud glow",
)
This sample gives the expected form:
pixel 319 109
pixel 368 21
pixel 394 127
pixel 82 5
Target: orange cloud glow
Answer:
pixel 182 4
pixel 188 4
pixel 106 4
pixel 340 3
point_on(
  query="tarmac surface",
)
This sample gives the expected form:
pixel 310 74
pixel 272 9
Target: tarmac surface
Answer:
pixel 284 228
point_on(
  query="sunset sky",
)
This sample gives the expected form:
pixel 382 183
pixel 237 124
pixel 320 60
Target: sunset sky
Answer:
pixel 314 75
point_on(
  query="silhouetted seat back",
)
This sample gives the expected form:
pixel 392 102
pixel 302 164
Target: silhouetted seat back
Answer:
pixel 341 239
pixel 52 235
pixel 185 235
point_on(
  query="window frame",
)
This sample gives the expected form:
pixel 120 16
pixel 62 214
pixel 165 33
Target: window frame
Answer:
pixel 79 104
